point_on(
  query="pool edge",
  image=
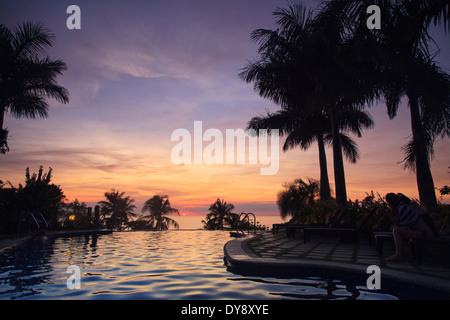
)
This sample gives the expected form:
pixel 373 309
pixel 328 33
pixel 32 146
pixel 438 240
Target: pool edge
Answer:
pixel 237 255
pixel 10 243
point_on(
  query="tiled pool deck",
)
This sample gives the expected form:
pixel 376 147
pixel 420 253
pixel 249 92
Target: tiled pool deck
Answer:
pixel 267 249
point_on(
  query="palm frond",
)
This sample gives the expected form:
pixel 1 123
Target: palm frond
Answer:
pixel 354 120
pixel 19 106
pixel 439 12
pixel 350 148
pixel 28 79
pixel 31 39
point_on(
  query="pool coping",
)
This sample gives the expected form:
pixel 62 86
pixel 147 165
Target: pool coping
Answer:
pixel 237 254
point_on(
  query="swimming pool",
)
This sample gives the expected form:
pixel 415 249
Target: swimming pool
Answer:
pixel 152 265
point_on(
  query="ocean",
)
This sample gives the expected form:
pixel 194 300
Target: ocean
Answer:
pixel 195 222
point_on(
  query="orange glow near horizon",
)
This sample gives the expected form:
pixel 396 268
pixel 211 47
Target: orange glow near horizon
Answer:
pixel 193 188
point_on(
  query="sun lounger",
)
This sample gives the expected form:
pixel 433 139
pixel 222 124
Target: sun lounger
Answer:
pixel 290 229
pixel 380 237
pixel 344 233
pixel 334 220
pixel 277 226
pixel 417 245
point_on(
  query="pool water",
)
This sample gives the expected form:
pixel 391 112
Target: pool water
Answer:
pixel 151 265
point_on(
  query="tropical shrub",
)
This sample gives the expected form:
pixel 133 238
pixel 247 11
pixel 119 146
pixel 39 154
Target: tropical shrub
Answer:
pixel 220 216
pixel 159 207
pixel 75 215
pixel 38 195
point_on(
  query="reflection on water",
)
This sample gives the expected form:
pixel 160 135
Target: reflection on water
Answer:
pixel 150 265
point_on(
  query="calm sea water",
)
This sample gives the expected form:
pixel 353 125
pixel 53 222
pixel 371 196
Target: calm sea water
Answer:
pixel 195 222
pixel 152 265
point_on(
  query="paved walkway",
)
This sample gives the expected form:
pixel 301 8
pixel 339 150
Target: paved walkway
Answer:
pixel 329 253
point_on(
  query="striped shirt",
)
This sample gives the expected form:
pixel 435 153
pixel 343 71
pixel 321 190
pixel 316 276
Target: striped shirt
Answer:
pixel 407 217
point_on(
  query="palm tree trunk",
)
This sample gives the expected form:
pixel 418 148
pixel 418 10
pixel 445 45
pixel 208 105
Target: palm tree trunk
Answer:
pixel 338 162
pixel 2 116
pixel 221 221
pixel 425 184
pixel 325 192
pixel 3 133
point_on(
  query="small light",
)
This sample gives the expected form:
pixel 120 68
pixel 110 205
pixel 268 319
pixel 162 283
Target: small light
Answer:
pixel 72 217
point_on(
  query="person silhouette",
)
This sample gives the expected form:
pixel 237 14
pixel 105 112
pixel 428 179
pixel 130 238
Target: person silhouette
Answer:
pixel 408 225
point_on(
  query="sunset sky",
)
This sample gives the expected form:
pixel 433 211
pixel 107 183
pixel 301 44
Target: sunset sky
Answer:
pixel 138 70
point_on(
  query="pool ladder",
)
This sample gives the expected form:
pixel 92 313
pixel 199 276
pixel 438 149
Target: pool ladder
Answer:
pixel 238 225
pixel 36 221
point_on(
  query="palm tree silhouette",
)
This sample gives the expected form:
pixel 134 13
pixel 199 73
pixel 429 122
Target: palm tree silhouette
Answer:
pixel 426 86
pixel 303 128
pixel 118 207
pixel 297 195
pixel 306 65
pixel 159 206
pixel 27 79
pixel 404 66
pixel 220 214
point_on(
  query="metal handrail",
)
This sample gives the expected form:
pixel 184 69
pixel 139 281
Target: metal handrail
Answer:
pixel 35 219
pixel 237 226
pixel 43 220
